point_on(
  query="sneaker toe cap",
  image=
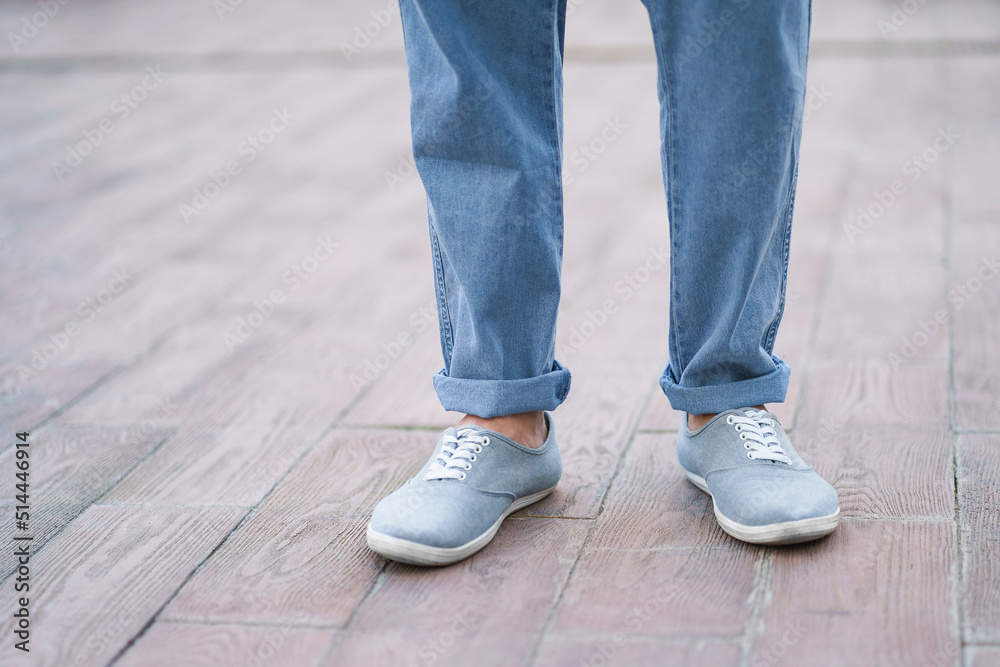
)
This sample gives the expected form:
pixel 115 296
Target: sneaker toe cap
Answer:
pixel 760 498
pixel 432 516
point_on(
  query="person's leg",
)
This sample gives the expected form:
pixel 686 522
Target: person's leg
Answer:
pixel 486 89
pixel 732 81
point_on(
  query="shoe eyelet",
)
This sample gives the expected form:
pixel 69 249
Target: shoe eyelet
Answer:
pixel 472 459
pixel 746 445
pixel 462 476
pixel 729 420
pixel 743 436
pixel 750 455
pixel 478 450
pixel 486 440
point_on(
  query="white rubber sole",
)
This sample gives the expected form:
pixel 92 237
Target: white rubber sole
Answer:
pixel 788 532
pixel 415 553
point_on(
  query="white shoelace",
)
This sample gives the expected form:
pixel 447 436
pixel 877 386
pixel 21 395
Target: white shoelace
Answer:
pixel 757 431
pixel 457 454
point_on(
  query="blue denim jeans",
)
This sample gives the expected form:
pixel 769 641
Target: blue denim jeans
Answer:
pixel 486 117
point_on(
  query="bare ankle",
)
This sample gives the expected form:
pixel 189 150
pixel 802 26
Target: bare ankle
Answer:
pixel 695 422
pixel 525 428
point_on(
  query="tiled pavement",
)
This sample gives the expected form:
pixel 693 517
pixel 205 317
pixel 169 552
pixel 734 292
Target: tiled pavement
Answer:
pixel 201 474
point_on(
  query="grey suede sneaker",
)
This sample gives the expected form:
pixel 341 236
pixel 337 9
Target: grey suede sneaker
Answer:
pixel 762 490
pixel 453 507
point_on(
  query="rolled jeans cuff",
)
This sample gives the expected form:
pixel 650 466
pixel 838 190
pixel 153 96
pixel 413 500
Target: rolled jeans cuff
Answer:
pixel 770 388
pixel 495 398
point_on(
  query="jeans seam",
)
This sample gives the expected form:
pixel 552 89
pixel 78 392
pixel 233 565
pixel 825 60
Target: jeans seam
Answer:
pixel 554 107
pixel 669 179
pixel 444 314
pixel 772 330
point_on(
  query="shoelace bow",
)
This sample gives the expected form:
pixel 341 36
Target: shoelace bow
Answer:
pixel 457 454
pixel 759 435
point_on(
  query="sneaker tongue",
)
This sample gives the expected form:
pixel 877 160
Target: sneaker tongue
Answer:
pixel 469 427
pixel 494 435
pixel 479 430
